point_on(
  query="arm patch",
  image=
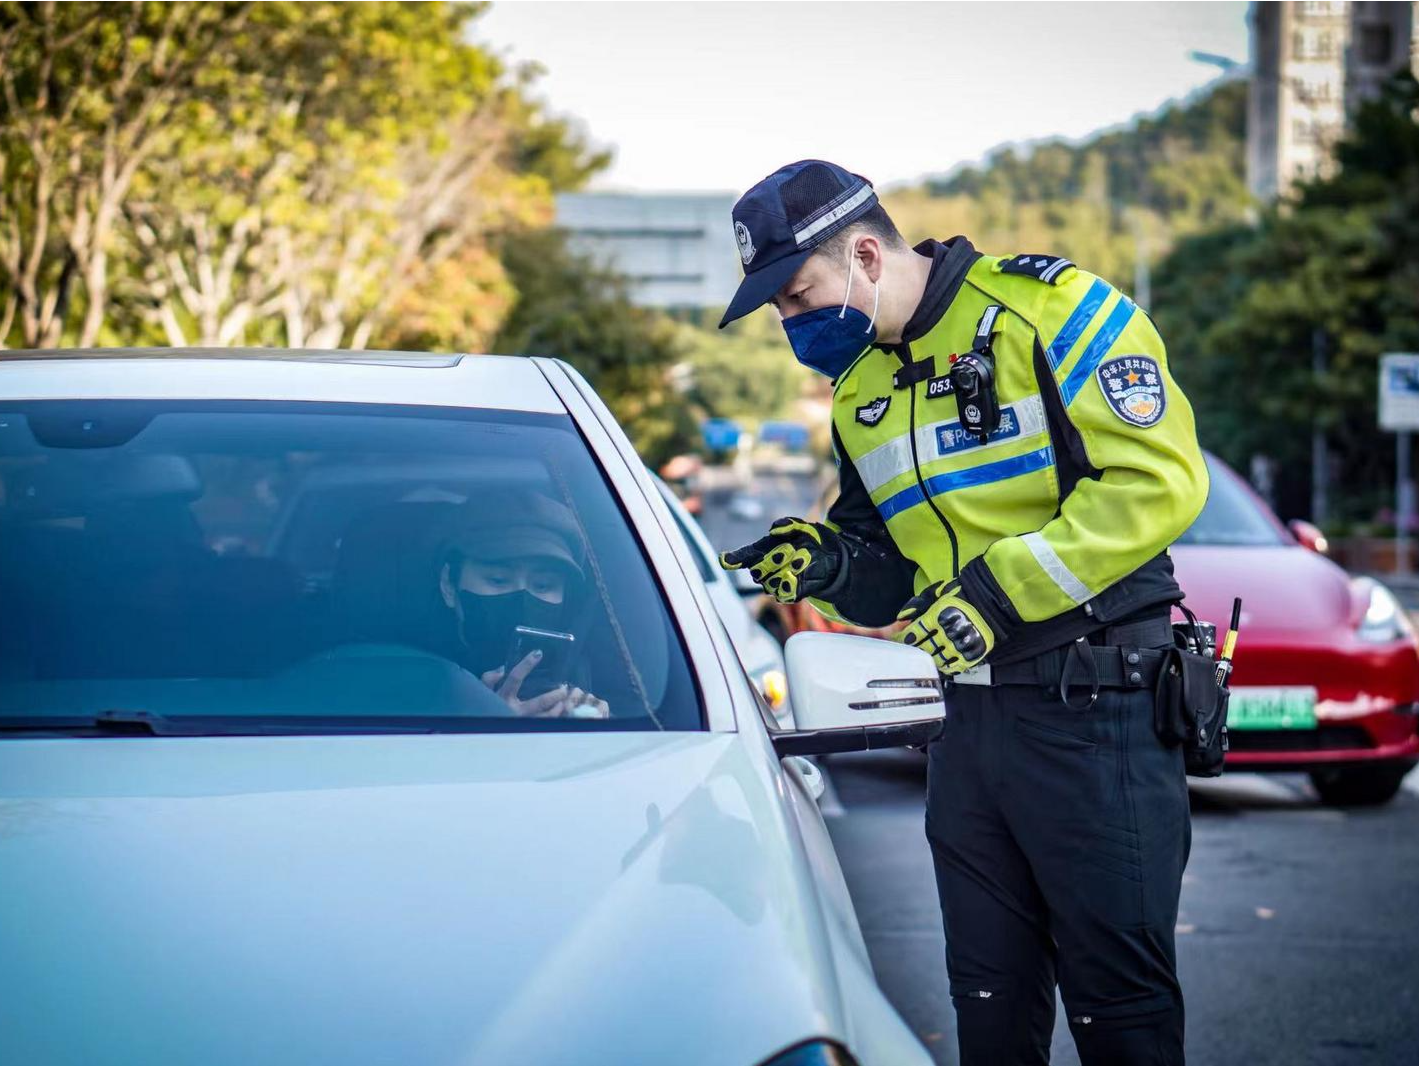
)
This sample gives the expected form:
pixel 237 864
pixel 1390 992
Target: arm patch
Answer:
pixel 1133 386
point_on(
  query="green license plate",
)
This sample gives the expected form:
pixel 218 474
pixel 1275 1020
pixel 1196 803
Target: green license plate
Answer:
pixel 1257 707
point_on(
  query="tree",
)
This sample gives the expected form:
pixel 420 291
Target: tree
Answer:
pixel 89 93
pixel 569 307
pixel 1118 196
pixel 373 155
pixel 1242 307
pixel 308 174
pixel 745 371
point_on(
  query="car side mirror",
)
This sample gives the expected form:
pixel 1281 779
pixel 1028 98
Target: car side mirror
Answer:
pixel 1310 536
pixel 854 693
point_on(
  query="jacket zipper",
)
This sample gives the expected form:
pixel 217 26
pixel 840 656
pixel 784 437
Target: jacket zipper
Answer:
pixel 916 469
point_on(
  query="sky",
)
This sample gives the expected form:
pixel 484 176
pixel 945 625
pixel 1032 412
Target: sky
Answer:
pixel 713 94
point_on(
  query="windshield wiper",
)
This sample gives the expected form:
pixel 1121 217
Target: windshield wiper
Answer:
pixel 120 722
pixel 131 723
pixel 116 722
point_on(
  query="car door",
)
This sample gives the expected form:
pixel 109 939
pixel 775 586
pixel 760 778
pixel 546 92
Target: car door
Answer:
pixel 874 1029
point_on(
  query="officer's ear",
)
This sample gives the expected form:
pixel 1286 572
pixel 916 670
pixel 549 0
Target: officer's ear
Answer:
pixel 868 253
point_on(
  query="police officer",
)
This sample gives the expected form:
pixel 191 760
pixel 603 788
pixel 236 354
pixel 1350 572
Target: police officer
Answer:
pixel 1014 461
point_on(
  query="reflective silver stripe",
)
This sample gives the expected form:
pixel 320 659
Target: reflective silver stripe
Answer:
pixel 1059 264
pixel 986 324
pixel 819 224
pixel 894 457
pixel 1054 566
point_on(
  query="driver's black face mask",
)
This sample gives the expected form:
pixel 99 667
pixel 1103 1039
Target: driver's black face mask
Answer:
pixel 488 623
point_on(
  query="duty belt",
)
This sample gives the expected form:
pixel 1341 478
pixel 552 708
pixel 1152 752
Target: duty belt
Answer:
pixel 1127 656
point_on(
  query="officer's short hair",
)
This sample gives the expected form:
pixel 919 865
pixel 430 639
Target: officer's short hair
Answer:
pixel 875 221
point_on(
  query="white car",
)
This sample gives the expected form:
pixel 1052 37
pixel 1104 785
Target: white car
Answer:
pixel 260 803
pixel 760 654
pixel 745 507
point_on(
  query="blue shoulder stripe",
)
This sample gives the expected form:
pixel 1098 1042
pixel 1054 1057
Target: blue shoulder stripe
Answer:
pixel 1077 322
pixel 1098 348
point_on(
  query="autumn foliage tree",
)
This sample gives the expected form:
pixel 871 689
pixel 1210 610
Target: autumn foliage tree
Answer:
pixel 303 174
pixel 88 98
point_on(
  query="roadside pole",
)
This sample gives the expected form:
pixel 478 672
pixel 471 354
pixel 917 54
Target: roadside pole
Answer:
pixel 1399 413
pixel 1404 502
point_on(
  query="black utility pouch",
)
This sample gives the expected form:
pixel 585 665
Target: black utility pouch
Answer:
pixel 1190 708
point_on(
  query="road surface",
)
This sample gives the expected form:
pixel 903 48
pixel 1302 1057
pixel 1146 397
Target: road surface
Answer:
pixel 1298 938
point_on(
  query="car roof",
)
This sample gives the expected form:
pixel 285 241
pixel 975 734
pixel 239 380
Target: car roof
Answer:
pixel 447 380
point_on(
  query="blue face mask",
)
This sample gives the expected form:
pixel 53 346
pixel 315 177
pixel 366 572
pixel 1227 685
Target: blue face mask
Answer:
pixel 829 341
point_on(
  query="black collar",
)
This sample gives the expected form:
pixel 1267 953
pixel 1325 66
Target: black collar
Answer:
pixel 949 262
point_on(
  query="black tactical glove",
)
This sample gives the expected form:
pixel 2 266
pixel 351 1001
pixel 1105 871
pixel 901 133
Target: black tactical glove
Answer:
pixel 947 626
pixel 796 559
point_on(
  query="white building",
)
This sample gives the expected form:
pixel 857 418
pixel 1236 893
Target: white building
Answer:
pixel 1296 108
pixel 677 249
pixel 1384 37
pixel 1312 62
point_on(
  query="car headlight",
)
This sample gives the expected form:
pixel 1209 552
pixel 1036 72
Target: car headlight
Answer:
pixel 774 685
pixel 813 1053
pixel 1385 620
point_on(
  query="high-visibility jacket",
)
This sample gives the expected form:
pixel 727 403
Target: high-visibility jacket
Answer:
pixel 1060 521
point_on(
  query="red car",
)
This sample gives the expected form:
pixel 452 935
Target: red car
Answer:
pixel 1327 666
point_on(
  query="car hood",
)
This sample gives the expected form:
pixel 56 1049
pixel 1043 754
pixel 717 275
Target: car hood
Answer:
pixel 1283 587
pixel 449 899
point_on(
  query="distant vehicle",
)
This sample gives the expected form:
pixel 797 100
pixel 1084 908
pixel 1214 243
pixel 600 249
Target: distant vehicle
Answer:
pixel 257 809
pixel 1327 667
pixel 682 474
pixel 720 435
pixel 791 436
pixel 745 507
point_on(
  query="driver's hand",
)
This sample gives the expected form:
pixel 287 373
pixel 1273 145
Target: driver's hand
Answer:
pixel 582 704
pixel 562 701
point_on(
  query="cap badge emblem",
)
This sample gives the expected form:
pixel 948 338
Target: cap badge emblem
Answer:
pixel 746 242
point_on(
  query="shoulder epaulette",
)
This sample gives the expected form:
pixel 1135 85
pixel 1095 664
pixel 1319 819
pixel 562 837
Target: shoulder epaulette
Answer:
pixel 1052 269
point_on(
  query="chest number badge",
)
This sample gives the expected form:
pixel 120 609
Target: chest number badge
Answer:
pixel 869 414
pixel 937 387
pixel 1133 386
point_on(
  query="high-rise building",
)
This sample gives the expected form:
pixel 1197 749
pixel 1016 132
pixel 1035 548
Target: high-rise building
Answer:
pixel 1296 108
pixel 677 250
pixel 1384 37
pixel 1312 62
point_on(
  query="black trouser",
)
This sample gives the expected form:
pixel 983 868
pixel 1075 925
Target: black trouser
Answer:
pixel 1059 838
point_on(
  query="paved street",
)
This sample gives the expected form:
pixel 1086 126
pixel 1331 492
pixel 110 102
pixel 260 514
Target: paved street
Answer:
pixel 1298 938
pixel 1298 941
pixel 735 515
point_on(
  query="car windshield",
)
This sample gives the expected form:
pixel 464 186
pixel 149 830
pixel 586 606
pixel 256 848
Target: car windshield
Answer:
pixel 372 567
pixel 1231 515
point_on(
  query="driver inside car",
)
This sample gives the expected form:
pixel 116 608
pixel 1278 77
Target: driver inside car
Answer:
pixel 520 563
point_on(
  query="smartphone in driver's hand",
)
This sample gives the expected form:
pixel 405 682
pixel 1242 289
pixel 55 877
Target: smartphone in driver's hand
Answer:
pixel 556 648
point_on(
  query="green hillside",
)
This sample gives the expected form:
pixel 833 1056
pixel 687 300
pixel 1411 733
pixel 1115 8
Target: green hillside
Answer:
pixel 1147 184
